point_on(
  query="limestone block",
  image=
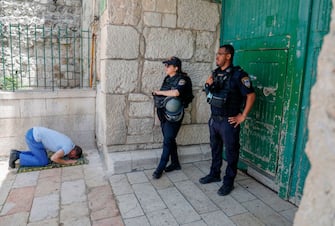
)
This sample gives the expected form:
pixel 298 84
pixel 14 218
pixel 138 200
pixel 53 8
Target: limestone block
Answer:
pixel 140 139
pixel 157 134
pixel 140 126
pixel 152 76
pixel 169 20
pixel 138 97
pixel 119 42
pixel 198 72
pixel 144 159
pixel 149 5
pixel 190 153
pixel 116 125
pixel 198 15
pixel 166 6
pixel 193 134
pixel 141 109
pixel 119 162
pixel 152 19
pixel 161 43
pixel 202 112
pixel 204 46
pixel 125 12
pixel 31 108
pixel 9 108
pixel 119 76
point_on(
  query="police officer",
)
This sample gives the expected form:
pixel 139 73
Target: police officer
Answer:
pixel 170 103
pixel 227 89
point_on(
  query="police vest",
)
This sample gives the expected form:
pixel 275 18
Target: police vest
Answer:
pixel 223 95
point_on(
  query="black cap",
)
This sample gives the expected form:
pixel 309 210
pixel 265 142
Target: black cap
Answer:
pixel 175 61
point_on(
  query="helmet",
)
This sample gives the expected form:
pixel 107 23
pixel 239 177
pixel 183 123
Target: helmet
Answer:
pixel 174 109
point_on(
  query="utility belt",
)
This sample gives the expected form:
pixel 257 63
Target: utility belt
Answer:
pixel 218 118
pixel 216 101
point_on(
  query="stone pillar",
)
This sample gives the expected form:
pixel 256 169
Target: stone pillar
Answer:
pixel 134 38
pixel 318 202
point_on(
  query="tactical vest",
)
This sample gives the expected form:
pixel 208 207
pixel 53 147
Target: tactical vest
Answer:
pixel 223 94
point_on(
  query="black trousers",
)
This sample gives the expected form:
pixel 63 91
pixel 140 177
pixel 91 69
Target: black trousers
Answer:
pixel 223 133
pixel 170 131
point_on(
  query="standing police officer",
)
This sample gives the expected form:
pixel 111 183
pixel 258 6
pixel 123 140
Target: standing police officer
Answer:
pixel 174 94
pixel 227 89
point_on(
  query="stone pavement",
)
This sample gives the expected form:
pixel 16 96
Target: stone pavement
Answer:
pixel 87 195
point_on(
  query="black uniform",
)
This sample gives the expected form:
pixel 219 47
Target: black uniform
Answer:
pixel 170 128
pixel 226 96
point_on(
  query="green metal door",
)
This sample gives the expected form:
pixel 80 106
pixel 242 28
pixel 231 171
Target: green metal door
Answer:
pixel 260 136
pixel 277 42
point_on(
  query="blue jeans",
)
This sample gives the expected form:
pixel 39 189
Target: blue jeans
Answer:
pixel 223 133
pixel 37 155
pixel 170 131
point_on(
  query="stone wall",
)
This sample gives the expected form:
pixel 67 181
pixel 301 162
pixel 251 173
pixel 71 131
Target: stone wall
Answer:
pixel 134 38
pixel 69 111
pixel 317 206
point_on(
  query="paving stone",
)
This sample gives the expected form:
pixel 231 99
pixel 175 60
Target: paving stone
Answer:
pixel 78 209
pixel 19 200
pixel 267 195
pixel 148 197
pixel 162 183
pixel 129 206
pixel 5 187
pixel 137 177
pixel 102 203
pixel 73 191
pixel 196 223
pixel 246 219
pixel 51 173
pixel 263 212
pixel 82 221
pixel 179 207
pixel 198 199
pixel 48 185
pixel 289 214
pixel 48 222
pixel 137 221
pixel 241 194
pixel 26 179
pixel 95 177
pixel 177 175
pixel 44 207
pixel 120 184
pixel 227 204
pixel 217 218
pixel 17 219
pixel 161 218
pixel 72 173
pixel 112 221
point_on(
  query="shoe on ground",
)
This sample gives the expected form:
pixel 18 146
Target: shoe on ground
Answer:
pixel 13 156
pixel 156 175
pixel 209 179
pixel 225 189
pixel 172 167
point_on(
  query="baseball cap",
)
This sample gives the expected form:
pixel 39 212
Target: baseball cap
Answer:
pixel 175 61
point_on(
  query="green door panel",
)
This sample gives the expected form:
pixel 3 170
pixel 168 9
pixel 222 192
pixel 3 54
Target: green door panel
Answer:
pixel 260 136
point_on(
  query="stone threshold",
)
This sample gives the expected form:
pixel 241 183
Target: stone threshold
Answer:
pixel 130 161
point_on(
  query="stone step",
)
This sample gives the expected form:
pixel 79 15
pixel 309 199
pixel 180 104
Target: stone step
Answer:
pixel 129 161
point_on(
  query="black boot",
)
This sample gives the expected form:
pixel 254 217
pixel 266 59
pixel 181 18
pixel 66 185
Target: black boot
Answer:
pixel 14 155
pixel 172 167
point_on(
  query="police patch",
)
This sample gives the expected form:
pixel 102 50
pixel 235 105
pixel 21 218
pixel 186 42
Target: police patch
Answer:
pixel 246 82
pixel 181 82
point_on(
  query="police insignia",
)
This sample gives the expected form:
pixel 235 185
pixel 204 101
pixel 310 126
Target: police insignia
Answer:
pixel 246 81
pixel 181 82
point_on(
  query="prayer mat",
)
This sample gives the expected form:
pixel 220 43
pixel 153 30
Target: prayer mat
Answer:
pixel 24 169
